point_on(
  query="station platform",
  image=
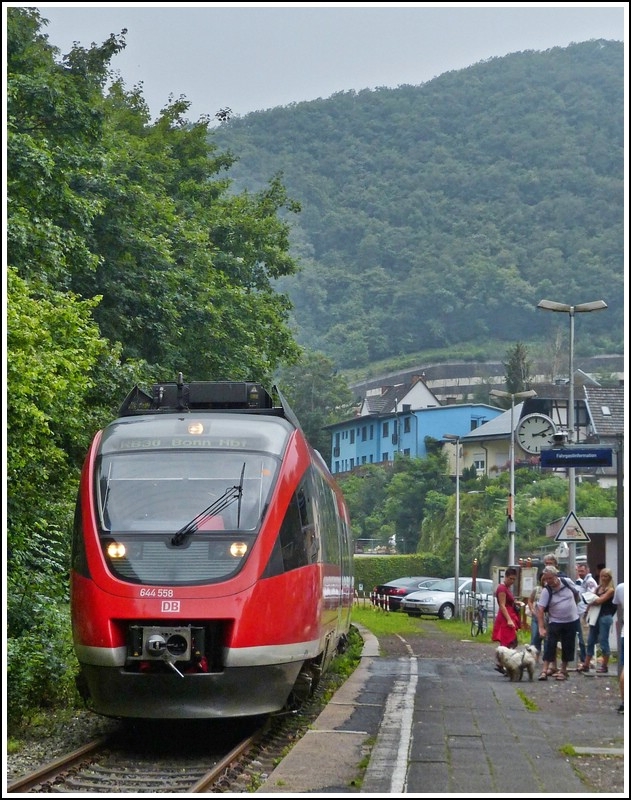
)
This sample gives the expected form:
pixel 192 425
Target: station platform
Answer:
pixel 427 726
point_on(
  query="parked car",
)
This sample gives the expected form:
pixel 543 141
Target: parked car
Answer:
pixel 439 600
pixel 392 592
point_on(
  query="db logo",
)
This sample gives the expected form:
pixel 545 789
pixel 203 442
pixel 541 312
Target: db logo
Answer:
pixel 170 606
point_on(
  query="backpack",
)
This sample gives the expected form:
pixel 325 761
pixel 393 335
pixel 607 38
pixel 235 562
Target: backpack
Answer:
pixel 564 582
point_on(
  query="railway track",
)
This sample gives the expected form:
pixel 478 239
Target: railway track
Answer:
pixel 224 756
pixel 116 764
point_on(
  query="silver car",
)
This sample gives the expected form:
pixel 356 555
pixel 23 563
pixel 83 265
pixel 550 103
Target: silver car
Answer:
pixel 438 601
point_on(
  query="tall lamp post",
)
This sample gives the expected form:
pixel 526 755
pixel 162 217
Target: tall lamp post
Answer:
pixel 452 437
pixel 550 305
pixel 511 517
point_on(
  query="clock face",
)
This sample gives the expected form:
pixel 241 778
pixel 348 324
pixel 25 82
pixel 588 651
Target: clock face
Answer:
pixel 534 432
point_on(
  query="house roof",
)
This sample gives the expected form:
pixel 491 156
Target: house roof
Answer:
pixel 388 398
pixel 606 410
pixel 498 428
pixel 385 401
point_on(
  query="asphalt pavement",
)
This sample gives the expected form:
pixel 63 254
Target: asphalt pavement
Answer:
pixel 415 725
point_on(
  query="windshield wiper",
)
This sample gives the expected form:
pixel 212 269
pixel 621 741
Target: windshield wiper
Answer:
pixel 231 494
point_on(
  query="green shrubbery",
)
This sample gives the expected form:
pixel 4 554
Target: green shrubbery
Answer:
pixel 373 570
pixel 41 665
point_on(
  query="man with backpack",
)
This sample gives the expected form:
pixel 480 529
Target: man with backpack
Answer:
pixel 558 600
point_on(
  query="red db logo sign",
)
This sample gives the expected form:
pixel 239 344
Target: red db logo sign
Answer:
pixel 170 606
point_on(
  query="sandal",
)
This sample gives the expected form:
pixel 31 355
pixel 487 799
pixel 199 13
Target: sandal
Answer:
pixel 552 672
pixel 561 676
pixel 581 668
pixel 602 670
pixel 543 676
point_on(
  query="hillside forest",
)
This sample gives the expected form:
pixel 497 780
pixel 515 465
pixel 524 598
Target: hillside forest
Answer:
pixel 134 254
pixel 435 217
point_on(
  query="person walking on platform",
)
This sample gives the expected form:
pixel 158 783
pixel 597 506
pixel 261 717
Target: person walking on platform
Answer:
pixel 600 627
pixel 550 560
pixel 558 599
pixel 507 621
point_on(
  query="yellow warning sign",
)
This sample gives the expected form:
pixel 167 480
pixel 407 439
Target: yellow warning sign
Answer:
pixel 571 530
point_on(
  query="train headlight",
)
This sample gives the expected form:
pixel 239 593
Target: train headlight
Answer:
pixel 195 428
pixel 238 549
pixel 116 550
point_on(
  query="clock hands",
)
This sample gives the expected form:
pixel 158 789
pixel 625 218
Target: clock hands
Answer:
pixel 540 433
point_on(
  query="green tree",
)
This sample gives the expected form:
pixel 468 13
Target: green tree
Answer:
pixel 52 346
pixel 318 395
pixel 517 369
pixel 54 122
pixel 539 499
pixel 129 257
pixel 365 492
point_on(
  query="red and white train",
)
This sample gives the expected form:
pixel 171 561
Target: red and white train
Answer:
pixel 211 563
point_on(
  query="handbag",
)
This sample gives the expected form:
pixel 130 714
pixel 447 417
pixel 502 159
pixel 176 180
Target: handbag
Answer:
pixel 592 614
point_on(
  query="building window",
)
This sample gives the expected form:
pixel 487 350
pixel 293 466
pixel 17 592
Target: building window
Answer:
pixel 385 456
pixel 353 436
pixel 407 426
pixel 406 452
pixel 385 429
pixel 372 432
pixel 364 433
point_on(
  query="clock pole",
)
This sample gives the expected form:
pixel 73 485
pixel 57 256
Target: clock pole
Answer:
pixel 510 513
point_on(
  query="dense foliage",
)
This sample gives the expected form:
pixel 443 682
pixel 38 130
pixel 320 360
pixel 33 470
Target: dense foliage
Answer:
pixel 128 260
pixel 436 216
pixel 317 395
pixel 414 502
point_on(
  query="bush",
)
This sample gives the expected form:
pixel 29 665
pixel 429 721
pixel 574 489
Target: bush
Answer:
pixel 38 674
pixel 373 570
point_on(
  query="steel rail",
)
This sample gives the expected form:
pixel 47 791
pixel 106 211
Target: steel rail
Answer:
pixel 215 773
pixel 53 768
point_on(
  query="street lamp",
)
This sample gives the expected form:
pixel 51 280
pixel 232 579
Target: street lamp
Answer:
pixel 452 437
pixel 550 305
pixel 511 499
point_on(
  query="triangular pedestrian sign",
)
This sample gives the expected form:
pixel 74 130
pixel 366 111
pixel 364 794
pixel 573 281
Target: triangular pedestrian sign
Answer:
pixel 571 530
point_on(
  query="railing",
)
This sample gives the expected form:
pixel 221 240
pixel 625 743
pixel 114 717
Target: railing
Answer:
pixel 469 602
pixel 381 601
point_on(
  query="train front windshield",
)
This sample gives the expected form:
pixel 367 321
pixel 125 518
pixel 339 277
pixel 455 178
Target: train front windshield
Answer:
pixel 165 491
pixel 175 507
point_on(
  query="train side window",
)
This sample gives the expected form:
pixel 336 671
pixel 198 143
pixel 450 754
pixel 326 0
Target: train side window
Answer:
pixel 291 539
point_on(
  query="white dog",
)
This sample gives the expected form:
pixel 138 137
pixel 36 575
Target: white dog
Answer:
pixel 515 662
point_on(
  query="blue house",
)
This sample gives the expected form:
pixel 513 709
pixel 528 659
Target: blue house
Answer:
pixel 395 420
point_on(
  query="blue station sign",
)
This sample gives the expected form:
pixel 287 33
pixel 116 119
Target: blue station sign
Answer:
pixel 576 457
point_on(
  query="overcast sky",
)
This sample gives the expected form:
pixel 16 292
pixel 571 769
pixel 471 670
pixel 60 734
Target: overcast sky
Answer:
pixel 255 56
